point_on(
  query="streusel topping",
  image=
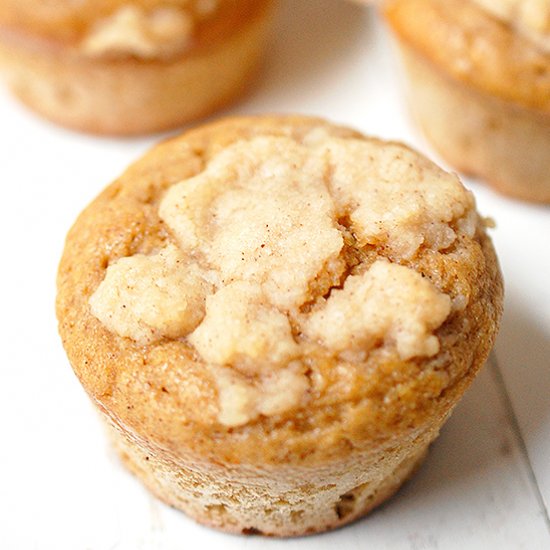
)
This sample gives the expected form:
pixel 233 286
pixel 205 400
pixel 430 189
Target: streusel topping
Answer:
pixel 284 248
pixel 133 31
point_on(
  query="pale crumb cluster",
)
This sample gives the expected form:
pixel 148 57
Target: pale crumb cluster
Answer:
pixel 149 297
pixel 257 230
pixel 133 31
pixel 262 213
pixel 241 401
pixel 388 302
pixel 239 328
pixel 402 201
pixel 530 17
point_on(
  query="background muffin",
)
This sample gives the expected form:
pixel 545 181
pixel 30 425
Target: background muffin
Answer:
pixel 130 67
pixel 480 86
pixel 275 317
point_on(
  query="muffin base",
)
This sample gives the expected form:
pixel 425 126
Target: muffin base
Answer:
pixel 128 97
pixel 502 143
pixel 284 502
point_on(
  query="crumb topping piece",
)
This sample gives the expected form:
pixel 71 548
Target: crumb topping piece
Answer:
pixel 240 327
pixel 530 17
pixel 388 303
pixel 260 233
pixel 131 31
pixel 401 203
pixel 150 297
pixel 241 401
pixel 261 212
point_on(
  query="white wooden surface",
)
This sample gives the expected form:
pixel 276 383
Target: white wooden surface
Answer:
pixel 488 477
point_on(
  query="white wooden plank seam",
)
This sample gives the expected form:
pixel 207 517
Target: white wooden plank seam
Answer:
pixel 516 430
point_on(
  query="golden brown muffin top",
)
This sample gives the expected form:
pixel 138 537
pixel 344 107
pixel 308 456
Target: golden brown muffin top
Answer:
pixel 472 45
pixel 143 29
pixel 260 284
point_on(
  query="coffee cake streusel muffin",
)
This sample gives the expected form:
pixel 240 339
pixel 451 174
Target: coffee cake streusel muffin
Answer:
pixel 480 85
pixel 130 66
pixel 275 316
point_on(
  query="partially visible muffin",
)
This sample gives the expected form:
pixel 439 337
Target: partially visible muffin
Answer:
pixel 275 316
pixel 479 75
pixel 130 67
